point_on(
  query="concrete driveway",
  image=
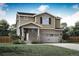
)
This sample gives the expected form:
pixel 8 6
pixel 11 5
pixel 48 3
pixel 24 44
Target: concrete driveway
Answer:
pixel 72 46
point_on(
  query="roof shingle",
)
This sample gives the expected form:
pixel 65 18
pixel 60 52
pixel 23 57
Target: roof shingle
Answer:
pixel 22 13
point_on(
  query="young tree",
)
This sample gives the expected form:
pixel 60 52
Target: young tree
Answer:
pixel 76 29
pixel 66 29
pixel 4 28
pixel 63 25
pixel 13 29
pixel 4 25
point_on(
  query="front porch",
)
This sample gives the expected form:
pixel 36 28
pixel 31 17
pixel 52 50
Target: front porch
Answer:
pixel 30 33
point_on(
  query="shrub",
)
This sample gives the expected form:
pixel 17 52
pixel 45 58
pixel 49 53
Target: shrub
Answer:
pixel 36 42
pixel 19 42
pixel 14 36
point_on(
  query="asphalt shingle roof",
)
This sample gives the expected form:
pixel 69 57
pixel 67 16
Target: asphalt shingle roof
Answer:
pixel 25 13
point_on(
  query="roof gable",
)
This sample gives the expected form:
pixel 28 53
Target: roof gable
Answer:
pixel 44 13
pixel 32 23
pixel 48 14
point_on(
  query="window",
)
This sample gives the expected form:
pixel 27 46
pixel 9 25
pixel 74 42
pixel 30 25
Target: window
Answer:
pixel 49 20
pixel 45 20
pixel 40 20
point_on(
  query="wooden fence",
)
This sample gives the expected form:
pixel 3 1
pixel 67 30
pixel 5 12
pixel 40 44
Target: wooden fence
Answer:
pixel 74 38
pixel 5 39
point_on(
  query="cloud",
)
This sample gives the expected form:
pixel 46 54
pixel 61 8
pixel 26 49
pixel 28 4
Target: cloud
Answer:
pixel 43 8
pixel 2 4
pixel 76 6
pixel 71 20
pixel 3 10
pixel 40 9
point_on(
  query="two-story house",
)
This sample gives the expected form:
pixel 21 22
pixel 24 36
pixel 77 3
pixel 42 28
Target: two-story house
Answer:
pixel 42 27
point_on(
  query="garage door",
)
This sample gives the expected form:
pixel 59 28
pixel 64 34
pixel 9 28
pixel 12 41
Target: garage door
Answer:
pixel 50 38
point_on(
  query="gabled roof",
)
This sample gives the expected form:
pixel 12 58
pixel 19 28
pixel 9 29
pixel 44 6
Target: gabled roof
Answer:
pixel 48 14
pixel 31 23
pixel 34 15
pixel 44 13
pixel 22 13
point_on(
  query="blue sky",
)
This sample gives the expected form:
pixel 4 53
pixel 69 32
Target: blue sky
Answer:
pixel 69 12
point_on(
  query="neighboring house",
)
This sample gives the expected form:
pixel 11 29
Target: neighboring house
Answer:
pixel 43 27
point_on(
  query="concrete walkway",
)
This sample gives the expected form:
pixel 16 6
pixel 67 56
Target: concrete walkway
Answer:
pixel 72 46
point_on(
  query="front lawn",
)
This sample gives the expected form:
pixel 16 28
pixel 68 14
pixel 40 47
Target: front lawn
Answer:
pixel 35 50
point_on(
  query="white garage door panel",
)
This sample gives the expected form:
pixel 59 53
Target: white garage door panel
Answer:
pixel 46 37
pixel 50 39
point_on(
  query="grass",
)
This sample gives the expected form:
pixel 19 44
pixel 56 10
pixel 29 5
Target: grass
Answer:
pixel 35 50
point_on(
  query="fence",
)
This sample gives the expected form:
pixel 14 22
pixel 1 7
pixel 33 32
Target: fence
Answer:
pixel 5 39
pixel 74 38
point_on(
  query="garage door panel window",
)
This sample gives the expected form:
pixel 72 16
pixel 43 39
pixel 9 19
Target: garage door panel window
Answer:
pixel 56 34
pixel 53 34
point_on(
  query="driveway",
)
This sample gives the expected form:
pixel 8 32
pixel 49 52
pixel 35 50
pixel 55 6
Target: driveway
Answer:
pixel 72 46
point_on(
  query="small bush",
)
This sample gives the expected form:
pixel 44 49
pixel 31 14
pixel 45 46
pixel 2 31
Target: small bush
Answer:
pixel 18 42
pixel 14 36
pixel 36 42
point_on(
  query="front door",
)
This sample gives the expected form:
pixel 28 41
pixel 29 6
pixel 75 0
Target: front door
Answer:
pixel 33 35
pixel 30 34
pixel 25 33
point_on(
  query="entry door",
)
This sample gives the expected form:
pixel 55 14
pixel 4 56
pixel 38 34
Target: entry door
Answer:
pixel 33 35
pixel 25 33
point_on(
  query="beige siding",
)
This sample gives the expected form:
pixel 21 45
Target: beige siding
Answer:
pixel 26 20
pixel 57 23
pixel 52 25
pixel 23 21
pixel 17 25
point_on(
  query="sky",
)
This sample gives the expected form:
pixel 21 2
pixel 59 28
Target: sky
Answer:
pixel 69 12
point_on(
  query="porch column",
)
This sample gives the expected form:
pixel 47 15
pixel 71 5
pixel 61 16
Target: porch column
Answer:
pixel 22 34
pixel 27 37
pixel 38 37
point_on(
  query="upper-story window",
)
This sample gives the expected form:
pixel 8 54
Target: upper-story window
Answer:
pixel 45 20
pixel 40 20
pixel 49 20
